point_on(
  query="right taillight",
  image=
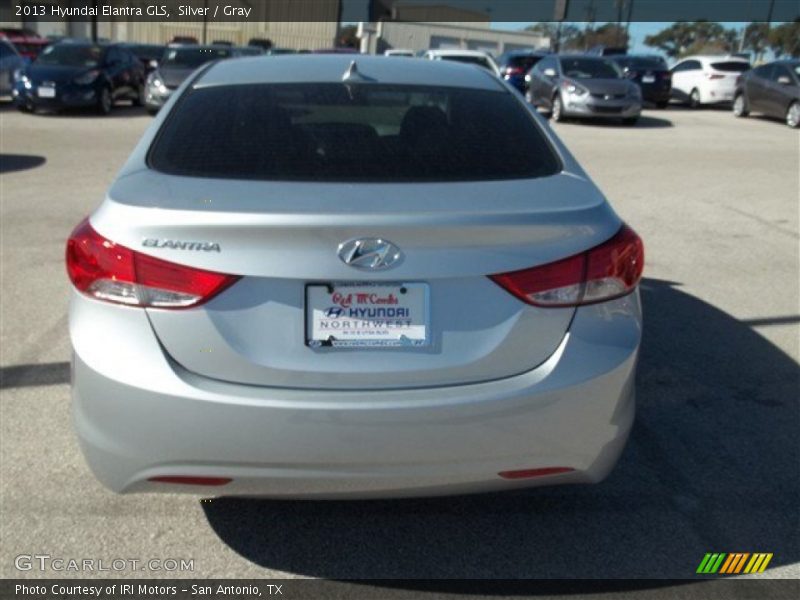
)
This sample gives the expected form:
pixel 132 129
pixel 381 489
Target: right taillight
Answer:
pixel 113 273
pixel 607 271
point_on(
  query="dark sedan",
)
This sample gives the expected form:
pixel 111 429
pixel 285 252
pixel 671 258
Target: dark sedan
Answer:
pixel 651 74
pixel 515 64
pixel 772 89
pixel 176 65
pixel 71 74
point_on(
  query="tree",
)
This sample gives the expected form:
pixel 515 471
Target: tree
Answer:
pixel 784 39
pixel 550 30
pixel 608 34
pixel 347 37
pixel 754 39
pixel 684 38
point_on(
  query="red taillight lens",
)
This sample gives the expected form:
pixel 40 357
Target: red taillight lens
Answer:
pixel 107 271
pixel 514 71
pixel 715 75
pixel 607 271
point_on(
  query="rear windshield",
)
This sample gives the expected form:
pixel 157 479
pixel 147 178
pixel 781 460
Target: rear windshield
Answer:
pixel 641 63
pixel 590 68
pixel 523 62
pixel 732 66
pixel 336 132
pixel 473 60
pixel 147 52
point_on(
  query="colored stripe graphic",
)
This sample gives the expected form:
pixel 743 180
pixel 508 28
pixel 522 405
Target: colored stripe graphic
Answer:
pixel 711 563
pixel 734 563
pixel 758 563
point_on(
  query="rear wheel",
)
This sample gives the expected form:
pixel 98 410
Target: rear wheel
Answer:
pixel 662 104
pixel 558 109
pixel 104 101
pixel 740 108
pixel 139 99
pixel 694 98
pixel 529 96
pixel 630 120
pixel 793 115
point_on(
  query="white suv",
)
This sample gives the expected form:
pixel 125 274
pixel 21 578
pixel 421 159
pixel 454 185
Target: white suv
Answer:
pixel 700 80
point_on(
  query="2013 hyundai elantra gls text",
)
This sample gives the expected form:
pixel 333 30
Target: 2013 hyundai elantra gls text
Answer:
pixel 324 277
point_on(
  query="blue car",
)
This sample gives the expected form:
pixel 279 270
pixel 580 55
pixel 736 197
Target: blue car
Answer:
pixel 69 74
pixel 514 65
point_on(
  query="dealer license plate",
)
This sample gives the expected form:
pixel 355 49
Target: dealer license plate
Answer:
pixel 367 315
pixel 46 91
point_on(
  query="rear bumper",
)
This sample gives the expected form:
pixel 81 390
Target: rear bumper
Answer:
pixel 138 415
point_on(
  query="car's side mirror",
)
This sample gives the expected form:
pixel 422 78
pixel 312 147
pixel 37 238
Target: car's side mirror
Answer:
pixel 784 80
pixel 550 72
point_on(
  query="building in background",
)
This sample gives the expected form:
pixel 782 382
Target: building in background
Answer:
pixel 385 35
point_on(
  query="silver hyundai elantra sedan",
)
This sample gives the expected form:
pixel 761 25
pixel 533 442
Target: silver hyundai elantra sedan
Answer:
pixel 320 276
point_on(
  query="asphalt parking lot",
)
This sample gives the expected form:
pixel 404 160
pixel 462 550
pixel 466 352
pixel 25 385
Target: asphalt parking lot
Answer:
pixel 713 464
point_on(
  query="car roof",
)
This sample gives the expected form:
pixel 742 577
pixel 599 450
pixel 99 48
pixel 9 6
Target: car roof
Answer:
pixel 710 57
pixel 331 68
pixel 526 53
pixel 458 52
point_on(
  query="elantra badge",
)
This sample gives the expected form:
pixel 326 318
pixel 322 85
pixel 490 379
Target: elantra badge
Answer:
pixel 369 254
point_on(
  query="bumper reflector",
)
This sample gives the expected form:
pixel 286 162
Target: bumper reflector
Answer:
pixel 187 480
pixel 530 473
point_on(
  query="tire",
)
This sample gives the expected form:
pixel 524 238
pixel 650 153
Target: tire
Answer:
pixel 630 121
pixel 24 108
pixel 152 111
pixel 104 101
pixel 529 97
pixel 793 115
pixel 557 112
pixel 740 108
pixel 663 104
pixel 139 99
pixel 694 98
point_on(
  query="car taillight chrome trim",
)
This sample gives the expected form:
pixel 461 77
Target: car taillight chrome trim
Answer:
pixel 611 270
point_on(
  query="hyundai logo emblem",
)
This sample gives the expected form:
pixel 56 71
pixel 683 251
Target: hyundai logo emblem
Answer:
pixel 369 254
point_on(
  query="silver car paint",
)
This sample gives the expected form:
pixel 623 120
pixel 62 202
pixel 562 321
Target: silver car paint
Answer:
pixel 208 390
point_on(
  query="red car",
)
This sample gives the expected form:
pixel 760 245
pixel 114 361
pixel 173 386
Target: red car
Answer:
pixel 28 43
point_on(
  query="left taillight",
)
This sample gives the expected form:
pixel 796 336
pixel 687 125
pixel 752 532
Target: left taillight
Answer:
pixel 605 272
pixel 113 273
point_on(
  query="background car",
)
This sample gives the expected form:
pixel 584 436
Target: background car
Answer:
pixel 583 86
pixel 28 43
pixel 651 74
pixel 176 65
pixel 148 54
pixel 515 65
pixel 474 57
pixel 698 80
pixel 772 89
pixel 10 63
pixel 70 74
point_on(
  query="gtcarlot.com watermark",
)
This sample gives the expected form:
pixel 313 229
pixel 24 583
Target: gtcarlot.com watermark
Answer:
pixel 47 563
